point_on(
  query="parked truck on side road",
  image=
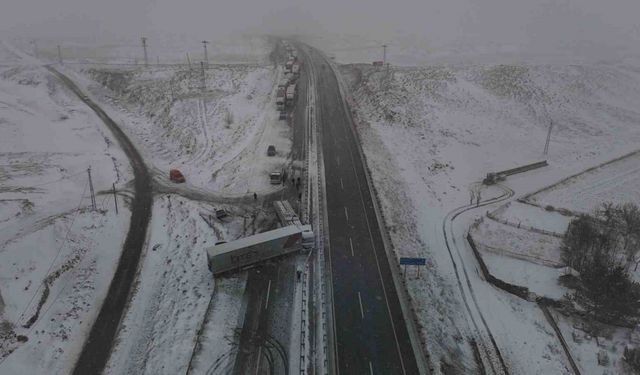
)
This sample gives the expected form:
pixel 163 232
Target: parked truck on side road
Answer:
pixel 291 95
pixel 246 251
pixel 275 178
pixel 280 102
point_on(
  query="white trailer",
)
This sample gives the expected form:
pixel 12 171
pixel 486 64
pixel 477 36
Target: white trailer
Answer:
pixel 247 251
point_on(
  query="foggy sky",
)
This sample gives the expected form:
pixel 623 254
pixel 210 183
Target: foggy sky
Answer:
pixel 536 24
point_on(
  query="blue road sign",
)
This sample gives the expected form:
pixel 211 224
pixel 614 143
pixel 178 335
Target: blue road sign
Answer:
pixel 413 261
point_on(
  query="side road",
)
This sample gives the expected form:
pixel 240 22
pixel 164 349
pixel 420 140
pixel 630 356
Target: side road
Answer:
pixel 97 348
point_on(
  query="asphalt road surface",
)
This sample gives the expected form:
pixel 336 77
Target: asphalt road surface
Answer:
pixel 97 348
pixel 370 332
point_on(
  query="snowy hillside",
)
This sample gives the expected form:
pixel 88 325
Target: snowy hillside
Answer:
pixel 57 256
pixel 216 137
pixel 431 133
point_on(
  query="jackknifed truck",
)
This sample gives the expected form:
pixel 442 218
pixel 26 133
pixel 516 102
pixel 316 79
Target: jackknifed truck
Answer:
pixel 238 254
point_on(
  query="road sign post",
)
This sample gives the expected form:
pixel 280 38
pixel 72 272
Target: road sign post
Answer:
pixel 412 262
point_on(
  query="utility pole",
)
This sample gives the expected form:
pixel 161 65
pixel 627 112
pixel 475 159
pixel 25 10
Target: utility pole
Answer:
pixel 546 145
pixel 144 47
pixel 93 196
pixel 384 54
pixel 35 49
pixel 59 55
pixel 204 83
pixel 115 197
pixel 206 57
pixel 188 61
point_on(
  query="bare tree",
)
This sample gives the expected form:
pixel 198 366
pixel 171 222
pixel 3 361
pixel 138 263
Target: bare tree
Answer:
pixel 601 248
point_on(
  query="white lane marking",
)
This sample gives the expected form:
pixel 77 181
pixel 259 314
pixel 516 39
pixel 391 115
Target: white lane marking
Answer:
pixel 341 184
pixel 370 368
pixel 373 246
pixel 312 78
pixel 351 244
pixel 346 213
pixel 268 291
pixel 258 361
pixel 361 309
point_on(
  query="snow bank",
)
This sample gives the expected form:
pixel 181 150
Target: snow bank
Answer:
pixel 158 332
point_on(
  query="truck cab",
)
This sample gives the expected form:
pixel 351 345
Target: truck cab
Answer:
pixel 280 101
pixel 275 178
pixel 308 238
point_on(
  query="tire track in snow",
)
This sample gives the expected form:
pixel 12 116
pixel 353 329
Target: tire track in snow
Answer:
pixel 448 223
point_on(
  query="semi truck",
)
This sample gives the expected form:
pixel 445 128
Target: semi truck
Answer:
pixel 495 177
pixel 275 178
pixel 295 69
pixel 281 93
pixel 291 94
pixel 280 101
pixel 247 251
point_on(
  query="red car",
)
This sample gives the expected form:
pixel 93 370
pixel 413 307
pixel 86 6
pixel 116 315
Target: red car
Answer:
pixel 176 176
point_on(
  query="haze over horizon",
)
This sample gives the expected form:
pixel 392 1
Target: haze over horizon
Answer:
pixel 586 26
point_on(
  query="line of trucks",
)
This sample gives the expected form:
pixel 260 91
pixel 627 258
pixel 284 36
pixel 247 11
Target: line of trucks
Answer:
pixel 285 97
pixel 240 254
pixel 286 94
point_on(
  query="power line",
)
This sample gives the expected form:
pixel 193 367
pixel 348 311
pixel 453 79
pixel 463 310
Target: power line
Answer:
pixel 93 194
pixel 206 57
pixel 144 47
pixel 384 54
pixel 59 251
pixel 546 145
pixel 64 287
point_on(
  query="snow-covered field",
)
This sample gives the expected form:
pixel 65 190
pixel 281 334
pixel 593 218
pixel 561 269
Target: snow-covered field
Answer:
pixel 518 243
pixel 217 137
pixel 430 133
pixel 57 256
pixel 617 182
pixel 49 236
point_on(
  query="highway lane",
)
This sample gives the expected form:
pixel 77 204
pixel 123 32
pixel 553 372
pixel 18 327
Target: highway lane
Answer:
pixel 370 332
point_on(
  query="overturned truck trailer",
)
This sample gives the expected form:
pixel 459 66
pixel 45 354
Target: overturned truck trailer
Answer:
pixel 235 255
